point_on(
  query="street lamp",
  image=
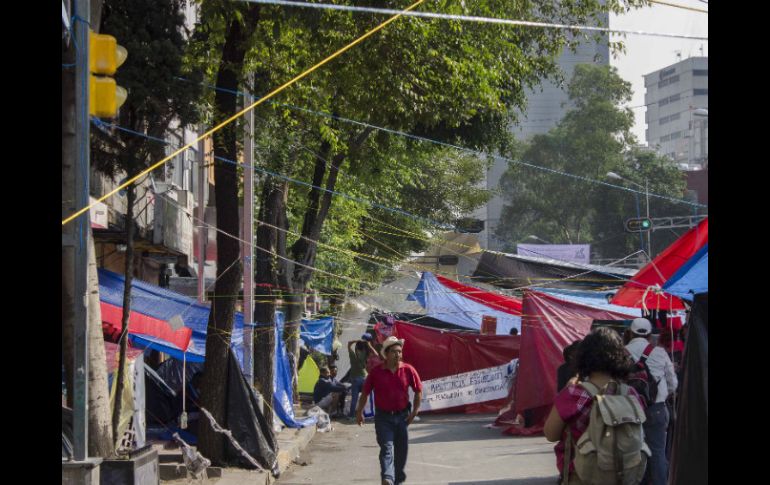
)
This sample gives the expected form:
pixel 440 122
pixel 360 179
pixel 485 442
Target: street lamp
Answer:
pixel 613 175
pixel 532 236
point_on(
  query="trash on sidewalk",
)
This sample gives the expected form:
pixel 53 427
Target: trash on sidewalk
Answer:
pixel 324 423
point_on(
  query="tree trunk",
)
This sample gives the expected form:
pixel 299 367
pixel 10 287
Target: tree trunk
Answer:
pixel 100 436
pixel 228 282
pixel 100 441
pixel 129 277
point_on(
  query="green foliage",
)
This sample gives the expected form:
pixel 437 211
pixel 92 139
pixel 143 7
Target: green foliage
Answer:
pixel 155 59
pixel 593 138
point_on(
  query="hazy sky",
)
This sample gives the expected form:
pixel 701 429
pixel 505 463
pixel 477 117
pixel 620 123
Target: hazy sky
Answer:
pixel 645 54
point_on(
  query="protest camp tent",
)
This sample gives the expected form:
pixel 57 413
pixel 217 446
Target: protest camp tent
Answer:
pixel 645 288
pixel 689 451
pixel 465 306
pixel 308 376
pixel 516 271
pixel 437 353
pixel 692 278
pixel 550 323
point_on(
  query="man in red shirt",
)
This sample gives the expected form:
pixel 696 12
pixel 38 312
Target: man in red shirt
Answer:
pixel 391 381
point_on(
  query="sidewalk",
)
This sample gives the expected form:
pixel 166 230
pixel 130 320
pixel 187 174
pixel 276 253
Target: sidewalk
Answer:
pixel 291 442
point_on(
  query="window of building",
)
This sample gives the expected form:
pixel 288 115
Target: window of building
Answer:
pixel 671 80
pixel 700 72
pixel 664 139
pixel 676 135
pixel 700 92
pixel 667 72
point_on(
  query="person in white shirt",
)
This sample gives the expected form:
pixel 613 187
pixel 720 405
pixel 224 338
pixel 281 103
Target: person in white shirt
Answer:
pixel 656 425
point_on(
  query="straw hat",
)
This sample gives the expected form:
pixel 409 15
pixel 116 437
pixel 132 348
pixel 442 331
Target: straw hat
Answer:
pixel 390 341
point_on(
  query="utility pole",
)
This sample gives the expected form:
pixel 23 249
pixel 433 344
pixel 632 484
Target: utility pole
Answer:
pixel 202 229
pixel 247 248
pixel 81 172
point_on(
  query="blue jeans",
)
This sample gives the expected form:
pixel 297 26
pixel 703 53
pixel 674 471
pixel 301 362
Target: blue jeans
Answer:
pixel 355 389
pixel 655 429
pixel 393 439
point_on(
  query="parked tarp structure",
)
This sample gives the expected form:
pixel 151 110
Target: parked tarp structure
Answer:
pixel 690 450
pixel 594 299
pixel 464 305
pixel 437 353
pixel 308 376
pixel 516 271
pixel 549 325
pixel 640 292
pixel 282 397
pixel 692 278
pixel 152 307
pixel 243 416
pixel 318 334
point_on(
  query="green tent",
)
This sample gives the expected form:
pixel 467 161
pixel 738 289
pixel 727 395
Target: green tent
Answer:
pixel 308 376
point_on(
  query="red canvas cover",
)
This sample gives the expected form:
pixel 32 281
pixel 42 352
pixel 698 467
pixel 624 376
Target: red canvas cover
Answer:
pixel 438 353
pixel 507 304
pixel 660 269
pixel 138 323
pixel 548 325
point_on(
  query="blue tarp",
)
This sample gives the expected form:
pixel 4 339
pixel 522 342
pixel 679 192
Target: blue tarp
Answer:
pixel 594 299
pixel 282 395
pixel 163 304
pixel 692 278
pixel 318 334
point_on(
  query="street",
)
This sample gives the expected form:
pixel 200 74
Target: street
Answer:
pixel 443 449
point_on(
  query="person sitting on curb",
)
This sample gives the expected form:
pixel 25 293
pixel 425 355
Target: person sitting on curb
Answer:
pixel 328 392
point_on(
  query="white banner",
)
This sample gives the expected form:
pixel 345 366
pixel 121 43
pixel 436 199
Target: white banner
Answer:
pixel 468 388
pixel 573 253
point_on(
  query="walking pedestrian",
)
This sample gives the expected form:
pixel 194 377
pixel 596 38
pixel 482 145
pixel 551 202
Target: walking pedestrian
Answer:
pixel 391 382
pixel 662 370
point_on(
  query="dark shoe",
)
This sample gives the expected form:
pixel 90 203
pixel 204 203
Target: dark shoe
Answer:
pixel 386 482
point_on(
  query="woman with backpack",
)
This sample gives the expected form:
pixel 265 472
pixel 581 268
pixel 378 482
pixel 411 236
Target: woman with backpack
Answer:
pixel 590 451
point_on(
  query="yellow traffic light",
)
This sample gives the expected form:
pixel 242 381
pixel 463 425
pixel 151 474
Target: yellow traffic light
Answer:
pixel 105 58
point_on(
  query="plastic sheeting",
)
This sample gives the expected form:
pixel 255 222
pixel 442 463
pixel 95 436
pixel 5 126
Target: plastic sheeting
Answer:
pixel 515 271
pixel 692 278
pixel 282 395
pixel 595 299
pixel 660 269
pixel 464 305
pixel 318 334
pixel 438 353
pixel 690 450
pixel 162 305
pixel 550 324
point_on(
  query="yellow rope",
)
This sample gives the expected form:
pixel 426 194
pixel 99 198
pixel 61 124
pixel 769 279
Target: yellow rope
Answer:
pixel 243 111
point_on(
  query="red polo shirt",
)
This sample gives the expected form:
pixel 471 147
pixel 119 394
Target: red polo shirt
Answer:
pixel 392 388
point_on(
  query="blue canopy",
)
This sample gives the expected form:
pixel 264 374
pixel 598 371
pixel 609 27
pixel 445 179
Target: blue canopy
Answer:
pixel 692 278
pixel 318 334
pixel 282 395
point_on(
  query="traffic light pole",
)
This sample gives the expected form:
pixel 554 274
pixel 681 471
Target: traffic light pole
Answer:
pixel 81 172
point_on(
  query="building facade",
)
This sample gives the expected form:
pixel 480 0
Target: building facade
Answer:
pixel 546 106
pixel 677 112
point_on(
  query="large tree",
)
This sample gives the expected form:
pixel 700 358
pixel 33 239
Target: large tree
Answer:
pixel 156 100
pixel 591 140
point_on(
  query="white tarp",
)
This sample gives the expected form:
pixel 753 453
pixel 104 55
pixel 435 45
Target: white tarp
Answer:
pixel 468 388
pixel 574 253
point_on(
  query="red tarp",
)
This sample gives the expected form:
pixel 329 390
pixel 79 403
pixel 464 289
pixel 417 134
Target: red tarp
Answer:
pixel 436 353
pixel 508 304
pixel 660 269
pixel 548 325
pixel 139 323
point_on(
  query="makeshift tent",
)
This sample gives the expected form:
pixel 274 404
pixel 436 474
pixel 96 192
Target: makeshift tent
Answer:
pixel 282 390
pixel 318 334
pixel 692 278
pixel 594 299
pixel 549 324
pixel 644 289
pixel 243 416
pixel 152 308
pixel 690 450
pixel 424 320
pixel 438 353
pixel 515 271
pixel 308 376
pixel 463 305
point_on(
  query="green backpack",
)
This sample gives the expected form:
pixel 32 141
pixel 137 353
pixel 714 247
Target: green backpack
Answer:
pixel 612 450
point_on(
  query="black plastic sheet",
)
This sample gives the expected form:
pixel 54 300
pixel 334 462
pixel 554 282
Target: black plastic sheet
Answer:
pixel 689 458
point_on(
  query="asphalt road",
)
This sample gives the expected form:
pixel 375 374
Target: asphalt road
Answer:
pixel 443 449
